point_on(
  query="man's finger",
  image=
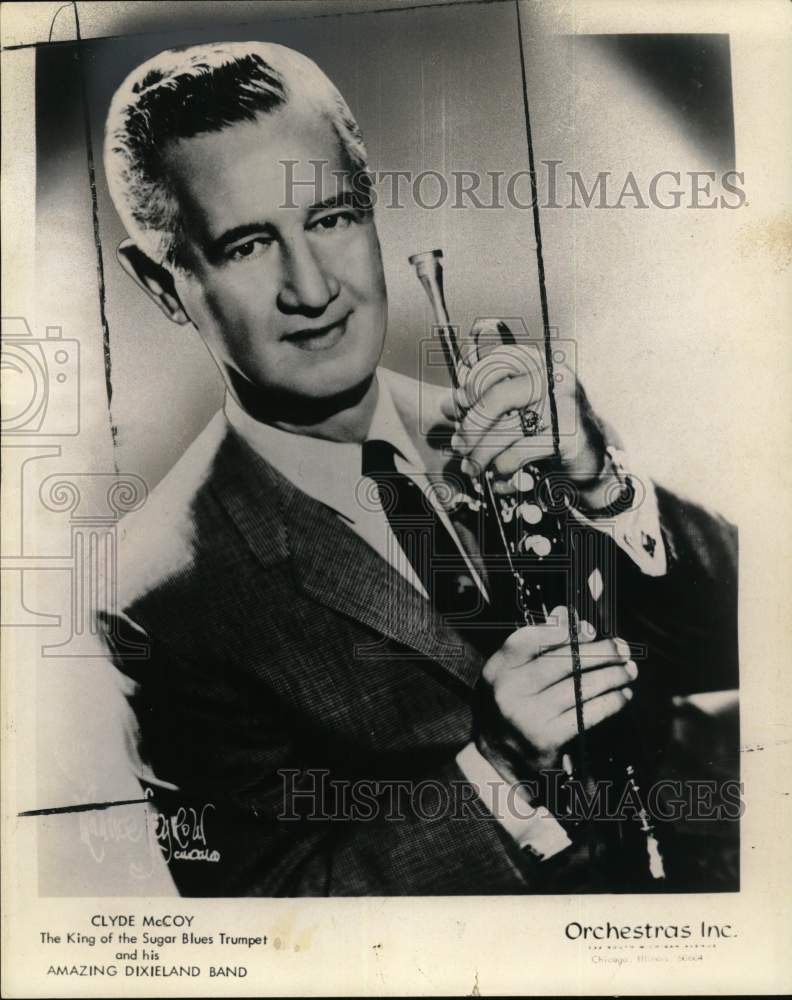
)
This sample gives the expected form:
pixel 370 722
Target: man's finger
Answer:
pixel 593 683
pixel 503 398
pixel 504 361
pixel 531 641
pixel 554 667
pixel 487 452
pixel 449 407
pixel 516 455
pixel 528 642
pixel 594 712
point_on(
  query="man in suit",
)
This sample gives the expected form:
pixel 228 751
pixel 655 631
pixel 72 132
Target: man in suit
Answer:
pixel 307 689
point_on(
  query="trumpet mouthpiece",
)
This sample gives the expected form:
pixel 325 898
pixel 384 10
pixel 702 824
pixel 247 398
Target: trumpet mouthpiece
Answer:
pixel 426 259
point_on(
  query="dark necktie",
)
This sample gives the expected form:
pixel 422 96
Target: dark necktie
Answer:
pixel 423 537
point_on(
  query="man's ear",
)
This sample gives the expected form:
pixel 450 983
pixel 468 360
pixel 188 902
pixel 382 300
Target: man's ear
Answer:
pixel 155 280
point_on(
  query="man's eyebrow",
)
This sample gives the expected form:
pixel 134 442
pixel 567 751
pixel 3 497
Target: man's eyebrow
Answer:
pixel 216 246
pixel 342 199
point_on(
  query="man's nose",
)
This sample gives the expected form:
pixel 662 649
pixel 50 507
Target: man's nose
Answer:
pixel 308 283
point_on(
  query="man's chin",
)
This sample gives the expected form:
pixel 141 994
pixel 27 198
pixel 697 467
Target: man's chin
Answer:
pixel 344 384
pixel 338 393
pixel 335 373
pixel 304 402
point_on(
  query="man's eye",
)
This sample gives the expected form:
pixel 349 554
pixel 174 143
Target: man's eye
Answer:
pixel 339 220
pixel 251 249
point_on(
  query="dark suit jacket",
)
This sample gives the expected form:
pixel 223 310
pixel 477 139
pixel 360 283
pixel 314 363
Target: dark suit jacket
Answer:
pixel 257 634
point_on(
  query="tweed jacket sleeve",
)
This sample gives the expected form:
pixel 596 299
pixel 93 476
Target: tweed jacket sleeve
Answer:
pixel 300 794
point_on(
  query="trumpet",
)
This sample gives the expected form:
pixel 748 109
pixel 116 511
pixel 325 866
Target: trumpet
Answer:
pixel 524 509
pixel 532 529
pixel 531 522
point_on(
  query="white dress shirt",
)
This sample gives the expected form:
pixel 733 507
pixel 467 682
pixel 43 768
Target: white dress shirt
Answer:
pixel 330 472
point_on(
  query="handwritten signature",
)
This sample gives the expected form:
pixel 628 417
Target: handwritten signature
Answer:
pixel 183 836
pixel 180 837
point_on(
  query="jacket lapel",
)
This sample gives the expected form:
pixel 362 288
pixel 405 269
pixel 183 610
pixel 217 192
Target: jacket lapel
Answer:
pixel 332 564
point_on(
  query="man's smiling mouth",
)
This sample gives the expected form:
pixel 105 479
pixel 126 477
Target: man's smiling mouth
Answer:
pixel 319 338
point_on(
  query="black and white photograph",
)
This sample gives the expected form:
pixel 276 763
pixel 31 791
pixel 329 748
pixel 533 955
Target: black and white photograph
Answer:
pixel 396 543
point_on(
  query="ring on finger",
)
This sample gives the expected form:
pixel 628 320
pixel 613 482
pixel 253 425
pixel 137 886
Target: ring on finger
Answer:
pixel 530 421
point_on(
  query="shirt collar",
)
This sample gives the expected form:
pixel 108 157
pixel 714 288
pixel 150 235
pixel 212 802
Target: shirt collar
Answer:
pixel 387 424
pixel 328 471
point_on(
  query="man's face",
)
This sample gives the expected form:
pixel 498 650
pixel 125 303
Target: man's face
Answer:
pixel 292 298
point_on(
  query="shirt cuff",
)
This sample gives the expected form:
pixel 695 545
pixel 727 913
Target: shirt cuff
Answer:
pixel 636 530
pixel 533 827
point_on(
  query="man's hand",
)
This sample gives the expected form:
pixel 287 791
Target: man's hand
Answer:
pixel 527 696
pixel 489 433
